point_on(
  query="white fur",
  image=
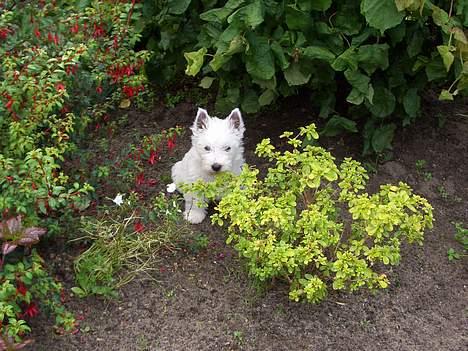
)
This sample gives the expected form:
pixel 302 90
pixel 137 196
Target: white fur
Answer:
pixel 210 142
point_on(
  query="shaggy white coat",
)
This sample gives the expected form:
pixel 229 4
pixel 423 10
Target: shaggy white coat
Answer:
pixel 216 147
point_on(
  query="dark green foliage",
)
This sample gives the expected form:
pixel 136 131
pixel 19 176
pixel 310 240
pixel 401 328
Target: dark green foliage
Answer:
pixel 381 54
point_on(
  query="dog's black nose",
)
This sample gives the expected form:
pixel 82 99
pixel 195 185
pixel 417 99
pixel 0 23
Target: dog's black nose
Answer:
pixel 216 167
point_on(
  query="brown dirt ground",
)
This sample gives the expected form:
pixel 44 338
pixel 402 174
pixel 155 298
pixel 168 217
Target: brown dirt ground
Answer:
pixel 206 302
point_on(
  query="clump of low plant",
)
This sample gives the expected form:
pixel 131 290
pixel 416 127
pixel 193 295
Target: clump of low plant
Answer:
pixel 461 235
pixel 124 242
pixel 310 223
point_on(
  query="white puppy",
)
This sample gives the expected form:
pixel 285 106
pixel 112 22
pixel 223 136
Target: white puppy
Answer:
pixel 216 146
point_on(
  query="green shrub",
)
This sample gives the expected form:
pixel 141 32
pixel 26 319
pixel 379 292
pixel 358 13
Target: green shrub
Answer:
pixel 378 55
pixel 310 223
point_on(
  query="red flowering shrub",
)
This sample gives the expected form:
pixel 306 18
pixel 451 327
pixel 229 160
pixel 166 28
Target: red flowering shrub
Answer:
pixel 60 69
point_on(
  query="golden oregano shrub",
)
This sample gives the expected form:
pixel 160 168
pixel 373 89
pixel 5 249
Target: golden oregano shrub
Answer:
pixel 310 222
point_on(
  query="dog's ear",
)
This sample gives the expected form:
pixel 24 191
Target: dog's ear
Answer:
pixel 201 121
pixel 236 121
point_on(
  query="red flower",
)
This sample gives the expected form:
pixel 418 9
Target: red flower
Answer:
pixel 138 227
pixel 4 33
pixel 31 311
pixel 59 86
pixel 152 182
pixel 21 288
pixel 37 33
pixel 75 28
pixel 129 91
pixel 171 143
pixel 99 89
pixel 153 157
pixel 140 179
pixel 9 178
pixel 98 31
pixel 9 104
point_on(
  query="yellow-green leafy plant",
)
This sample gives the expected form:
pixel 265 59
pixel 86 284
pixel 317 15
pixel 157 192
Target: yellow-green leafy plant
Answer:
pixel 310 222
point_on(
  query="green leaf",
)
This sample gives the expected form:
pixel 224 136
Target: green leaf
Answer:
pixel 278 52
pixel 410 5
pixel 412 102
pixel 381 14
pixel 218 61
pixel 447 56
pixel 194 61
pixel 446 95
pixel 319 53
pixel 206 82
pixel 337 124
pixel 295 76
pixel 440 17
pixel 297 19
pixel 383 103
pixel 348 59
pixel 320 5
pixel 435 69
pixel 267 97
pixel 361 87
pixel 220 14
pixel 259 58
pixel 250 102
pixel 178 7
pixel 415 42
pixel 236 45
pixel 372 57
pixel 250 15
pixel 382 137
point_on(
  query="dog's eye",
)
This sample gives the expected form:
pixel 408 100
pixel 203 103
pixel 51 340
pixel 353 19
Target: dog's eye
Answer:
pixel 207 148
pixel 227 148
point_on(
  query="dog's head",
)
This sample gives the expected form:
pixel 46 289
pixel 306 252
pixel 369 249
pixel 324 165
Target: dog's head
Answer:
pixel 218 141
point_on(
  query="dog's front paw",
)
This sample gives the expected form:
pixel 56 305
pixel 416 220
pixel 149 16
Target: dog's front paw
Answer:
pixel 195 216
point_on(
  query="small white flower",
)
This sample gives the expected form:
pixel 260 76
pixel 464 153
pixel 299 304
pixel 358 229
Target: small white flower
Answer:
pixel 171 188
pixel 118 199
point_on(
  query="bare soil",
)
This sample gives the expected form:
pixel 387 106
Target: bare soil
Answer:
pixel 205 301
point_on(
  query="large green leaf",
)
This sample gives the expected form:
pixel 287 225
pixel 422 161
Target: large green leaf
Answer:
pixel 412 102
pixel 194 61
pixel 251 15
pixel 372 57
pixel 383 103
pixel 435 69
pixel 267 97
pixel 259 60
pixel 337 124
pixel 250 102
pixel 415 42
pixel 347 60
pixel 278 51
pixel 382 137
pixel 220 14
pixel 319 53
pixel 295 75
pixel 178 7
pixel 297 19
pixel 447 56
pixel 361 87
pixel 381 14
pixel 319 5
pixel 410 5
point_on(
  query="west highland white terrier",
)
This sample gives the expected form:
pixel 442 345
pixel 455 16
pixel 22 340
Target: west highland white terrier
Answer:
pixel 216 146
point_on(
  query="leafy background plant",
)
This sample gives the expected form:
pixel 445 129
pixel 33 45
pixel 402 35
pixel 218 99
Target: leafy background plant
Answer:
pixel 366 63
pixel 310 223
